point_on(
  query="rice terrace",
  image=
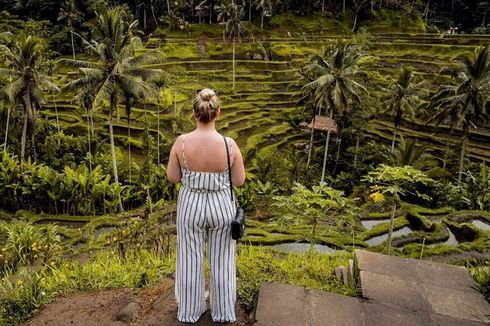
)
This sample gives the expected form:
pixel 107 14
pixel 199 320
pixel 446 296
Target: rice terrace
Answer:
pixel 364 126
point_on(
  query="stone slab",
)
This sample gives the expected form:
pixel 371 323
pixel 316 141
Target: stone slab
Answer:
pixel 416 270
pixel 469 305
pixel 280 304
pixel 338 310
pixel 438 320
pixel 391 290
pixel 382 315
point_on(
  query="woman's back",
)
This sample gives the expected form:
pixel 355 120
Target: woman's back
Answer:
pixel 204 151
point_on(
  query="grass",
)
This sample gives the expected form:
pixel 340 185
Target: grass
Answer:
pixel 108 269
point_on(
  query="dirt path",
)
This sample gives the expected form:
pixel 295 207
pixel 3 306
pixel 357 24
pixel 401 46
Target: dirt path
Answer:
pixel 153 306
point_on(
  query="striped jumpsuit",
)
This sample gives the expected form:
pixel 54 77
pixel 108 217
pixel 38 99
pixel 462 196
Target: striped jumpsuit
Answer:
pixel 205 212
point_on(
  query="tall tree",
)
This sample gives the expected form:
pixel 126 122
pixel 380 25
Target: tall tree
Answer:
pixel 335 72
pixel 70 13
pixel 235 30
pixel 402 98
pixel 116 70
pixel 465 103
pixel 26 61
pixel 359 5
pixel 263 6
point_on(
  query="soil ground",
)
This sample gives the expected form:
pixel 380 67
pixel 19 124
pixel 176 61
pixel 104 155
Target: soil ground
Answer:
pixel 101 308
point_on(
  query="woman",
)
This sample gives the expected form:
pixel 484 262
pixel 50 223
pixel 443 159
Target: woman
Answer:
pixel 204 212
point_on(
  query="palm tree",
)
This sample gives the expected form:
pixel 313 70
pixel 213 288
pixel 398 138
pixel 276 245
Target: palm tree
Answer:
pixel 26 62
pixel 464 104
pixel 116 71
pixel 72 15
pixel 403 98
pixel 263 5
pixel 334 86
pixel 234 29
pixel 412 154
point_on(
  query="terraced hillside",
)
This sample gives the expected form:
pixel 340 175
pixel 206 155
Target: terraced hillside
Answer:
pixel 260 111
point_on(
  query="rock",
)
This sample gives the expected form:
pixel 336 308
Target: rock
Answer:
pixel 334 308
pixel 338 273
pixel 392 290
pixel 345 275
pixel 163 300
pixel 128 312
pixel 381 315
pixel 469 305
pixel 416 270
pixel 351 270
pixel 281 304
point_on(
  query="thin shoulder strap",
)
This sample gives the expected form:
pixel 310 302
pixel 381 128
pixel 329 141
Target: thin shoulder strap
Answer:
pixel 183 153
pixel 229 167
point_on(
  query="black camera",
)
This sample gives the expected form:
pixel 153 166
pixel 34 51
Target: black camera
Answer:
pixel 238 224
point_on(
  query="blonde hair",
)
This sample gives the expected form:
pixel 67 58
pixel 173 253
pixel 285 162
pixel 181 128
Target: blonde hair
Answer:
pixel 206 105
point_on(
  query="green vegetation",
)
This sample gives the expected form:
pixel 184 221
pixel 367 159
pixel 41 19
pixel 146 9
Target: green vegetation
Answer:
pixel 90 107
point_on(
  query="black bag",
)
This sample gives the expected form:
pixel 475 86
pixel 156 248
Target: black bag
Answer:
pixel 238 224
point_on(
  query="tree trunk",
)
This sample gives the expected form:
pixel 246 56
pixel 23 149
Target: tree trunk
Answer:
pixel 92 123
pixel 355 23
pixel 158 129
pixel 392 223
pixel 153 14
pixel 89 142
pixel 168 6
pixel 24 128
pixel 311 142
pixel 461 158
pixel 250 11
pixel 129 151
pixel 33 142
pixel 113 105
pixel 262 19
pixel 234 63
pixel 73 45
pixel 56 112
pixel 6 130
pixel 338 154
pixel 343 6
pixel 323 5
pixel 356 151
pixel 128 113
pixel 326 151
pixel 393 141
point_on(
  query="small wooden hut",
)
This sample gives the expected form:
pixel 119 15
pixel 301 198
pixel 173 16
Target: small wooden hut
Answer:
pixel 323 123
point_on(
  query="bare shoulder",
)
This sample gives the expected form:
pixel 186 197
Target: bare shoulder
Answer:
pixel 231 141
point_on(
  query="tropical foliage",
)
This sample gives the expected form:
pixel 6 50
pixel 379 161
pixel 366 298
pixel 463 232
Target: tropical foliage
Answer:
pixel 464 103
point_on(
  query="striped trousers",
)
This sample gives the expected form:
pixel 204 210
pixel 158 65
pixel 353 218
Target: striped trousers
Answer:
pixel 205 216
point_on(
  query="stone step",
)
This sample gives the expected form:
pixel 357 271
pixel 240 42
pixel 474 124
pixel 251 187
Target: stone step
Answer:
pixel 395 291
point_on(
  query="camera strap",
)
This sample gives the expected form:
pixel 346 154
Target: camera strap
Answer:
pixel 229 168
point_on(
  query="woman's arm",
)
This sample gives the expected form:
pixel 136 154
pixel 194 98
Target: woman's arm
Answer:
pixel 237 167
pixel 173 168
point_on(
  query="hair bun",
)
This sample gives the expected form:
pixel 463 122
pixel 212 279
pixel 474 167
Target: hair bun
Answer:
pixel 206 105
pixel 207 94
